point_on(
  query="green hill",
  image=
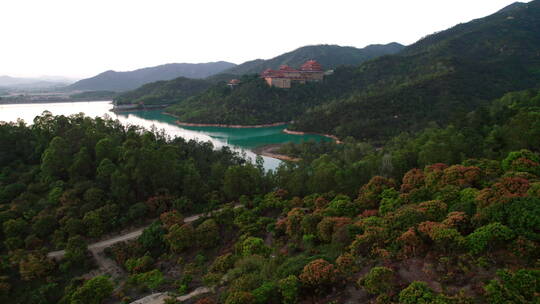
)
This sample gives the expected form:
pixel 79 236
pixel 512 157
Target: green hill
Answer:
pixel 164 92
pixel 329 56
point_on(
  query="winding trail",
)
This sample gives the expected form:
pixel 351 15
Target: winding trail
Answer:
pixel 101 245
pixel 159 298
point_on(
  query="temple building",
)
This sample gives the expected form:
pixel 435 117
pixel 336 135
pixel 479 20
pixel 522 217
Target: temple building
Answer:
pixel 311 70
pixel 233 83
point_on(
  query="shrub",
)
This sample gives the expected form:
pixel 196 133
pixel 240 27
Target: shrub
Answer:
pixel 170 218
pixel 207 234
pixel 93 291
pixel 240 297
pixel 522 161
pixel 180 237
pixel 370 194
pixel 254 245
pixel 266 293
pixel 417 293
pixel 379 280
pixel 222 263
pixel 139 265
pixel 149 280
pixel 489 235
pixel 288 287
pixel 318 274
pixel 521 286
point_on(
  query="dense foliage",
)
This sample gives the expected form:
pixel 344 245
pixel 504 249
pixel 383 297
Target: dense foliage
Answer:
pixel 164 92
pixel 443 213
pixel 437 79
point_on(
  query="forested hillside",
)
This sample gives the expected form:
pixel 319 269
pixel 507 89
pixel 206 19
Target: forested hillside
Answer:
pixel 164 92
pixel 433 197
pixel 446 215
pixel 175 91
pixel 437 79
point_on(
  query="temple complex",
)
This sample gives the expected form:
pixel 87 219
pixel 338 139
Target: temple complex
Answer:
pixel 311 70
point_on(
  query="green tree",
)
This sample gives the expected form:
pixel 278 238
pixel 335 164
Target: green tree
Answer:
pixel 180 237
pixel 76 250
pixel 82 166
pixel 93 291
pixel 417 293
pixel 522 286
pixel 289 288
pixel 379 280
pixel 55 158
pixel 207 234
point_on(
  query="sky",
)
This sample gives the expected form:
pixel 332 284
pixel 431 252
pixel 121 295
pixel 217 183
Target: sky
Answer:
pixel 81 38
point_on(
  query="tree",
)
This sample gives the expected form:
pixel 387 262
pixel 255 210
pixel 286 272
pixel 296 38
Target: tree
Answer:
pixel 417 293
pixel 93 291
pixel 240 297
pixel 521 286
pixel 379 280
pixel 241 180
pixel 82 166
pixel 207 234
pixel 34 266
pixel 289 287
pixel 254 245
pixel 171 218
pixel 152 238
pixel 76 250
pixel 55 158
pixel 105 149
pixel 44 225
pixel 490 235
pixel 318 275
pixel 180 237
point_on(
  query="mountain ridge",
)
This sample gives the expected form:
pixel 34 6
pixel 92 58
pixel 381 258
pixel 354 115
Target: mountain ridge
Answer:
pixel 328 55
pixel 123 81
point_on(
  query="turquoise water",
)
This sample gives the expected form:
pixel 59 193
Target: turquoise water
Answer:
pixel 241 140
pixel 247 138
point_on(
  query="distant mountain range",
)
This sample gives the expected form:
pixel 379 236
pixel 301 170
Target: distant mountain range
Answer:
pixel 34 83
pixel 329 56
pixel 124 81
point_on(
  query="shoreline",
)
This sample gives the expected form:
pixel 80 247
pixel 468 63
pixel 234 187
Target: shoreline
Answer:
pixel 132 107
pixel 21 102
pixel 333 137
pixel 189 124
pixel 269 151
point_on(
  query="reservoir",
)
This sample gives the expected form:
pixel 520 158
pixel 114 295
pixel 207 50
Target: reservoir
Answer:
pixel 238 139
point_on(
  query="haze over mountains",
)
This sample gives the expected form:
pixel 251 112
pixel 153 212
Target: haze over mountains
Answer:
pixel 329 56
pixel 123 81
pixel 37 82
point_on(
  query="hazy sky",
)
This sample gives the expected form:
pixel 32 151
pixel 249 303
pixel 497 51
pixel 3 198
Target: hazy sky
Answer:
pixel 81 38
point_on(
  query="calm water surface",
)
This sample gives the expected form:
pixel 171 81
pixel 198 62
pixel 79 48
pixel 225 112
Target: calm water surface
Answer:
pixel 241 140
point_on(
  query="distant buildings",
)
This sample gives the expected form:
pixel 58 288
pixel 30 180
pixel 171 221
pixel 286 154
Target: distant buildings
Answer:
pixel 285 76
pixel 233 83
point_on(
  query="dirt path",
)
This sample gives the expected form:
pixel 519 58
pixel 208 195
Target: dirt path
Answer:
pixel 159 298
pixel 107 265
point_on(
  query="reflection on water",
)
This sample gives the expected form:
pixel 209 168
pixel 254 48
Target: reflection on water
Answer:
pixel 238 139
